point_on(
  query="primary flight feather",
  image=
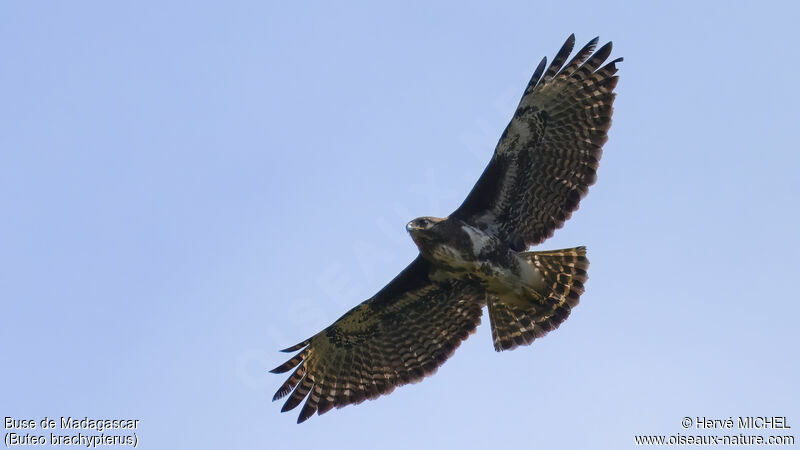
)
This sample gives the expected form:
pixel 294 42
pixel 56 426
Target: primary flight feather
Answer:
pixel 543 165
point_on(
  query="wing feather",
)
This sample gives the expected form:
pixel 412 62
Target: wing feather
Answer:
pixel 402 334
pixel 293 380
pixel 537 74
pixel 579 58
pixel 560 57
pixel 295 347
pixel 548 155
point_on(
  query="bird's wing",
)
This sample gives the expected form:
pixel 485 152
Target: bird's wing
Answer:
pixel 548 155
pixel 403 333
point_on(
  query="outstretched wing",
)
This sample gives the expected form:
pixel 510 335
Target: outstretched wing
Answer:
pixel 548 155
pixel 403 333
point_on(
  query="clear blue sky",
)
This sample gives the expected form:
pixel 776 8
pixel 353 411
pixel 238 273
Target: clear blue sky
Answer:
pixel 187 187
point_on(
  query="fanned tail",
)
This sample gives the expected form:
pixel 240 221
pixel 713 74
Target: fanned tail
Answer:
pixel 565 272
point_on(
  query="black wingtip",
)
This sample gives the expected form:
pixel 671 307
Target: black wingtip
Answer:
pixel 282 392
pixel 590 46
pixel 296 347
pixel 286 406
pixel 606 48
pixel 598 57
pixel 288 365
pixel 540 68
pixel 537 75
pixel 307 411
pixel 560 58
pixel 291 363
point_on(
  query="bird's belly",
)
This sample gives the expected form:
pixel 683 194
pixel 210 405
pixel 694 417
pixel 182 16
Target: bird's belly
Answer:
pixel 502 280
pixel 512 278
pixel 502 271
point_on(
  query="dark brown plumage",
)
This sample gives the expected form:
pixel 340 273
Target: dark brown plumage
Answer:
pixel 397 337
pixel 543 165
pixel 548 155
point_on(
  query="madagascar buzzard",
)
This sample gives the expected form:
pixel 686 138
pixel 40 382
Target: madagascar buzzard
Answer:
pixel 543 165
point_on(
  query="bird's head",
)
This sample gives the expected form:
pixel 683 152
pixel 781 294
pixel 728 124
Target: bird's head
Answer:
pixel 422 229
pixel 422 224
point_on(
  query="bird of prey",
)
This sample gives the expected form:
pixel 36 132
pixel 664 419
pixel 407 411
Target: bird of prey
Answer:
pixel 478 256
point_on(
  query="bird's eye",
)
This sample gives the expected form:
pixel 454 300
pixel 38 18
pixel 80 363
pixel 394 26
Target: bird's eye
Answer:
pixel 423 222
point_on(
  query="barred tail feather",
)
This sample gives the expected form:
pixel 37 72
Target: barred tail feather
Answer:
pixel 565 272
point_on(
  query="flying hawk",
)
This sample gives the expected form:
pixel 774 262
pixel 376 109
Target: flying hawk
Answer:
pixel 544 163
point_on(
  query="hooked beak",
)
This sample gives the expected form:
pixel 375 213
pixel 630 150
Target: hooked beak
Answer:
pixel 410 226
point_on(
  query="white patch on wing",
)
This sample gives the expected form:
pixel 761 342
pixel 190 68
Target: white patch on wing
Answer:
pixel 479 239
